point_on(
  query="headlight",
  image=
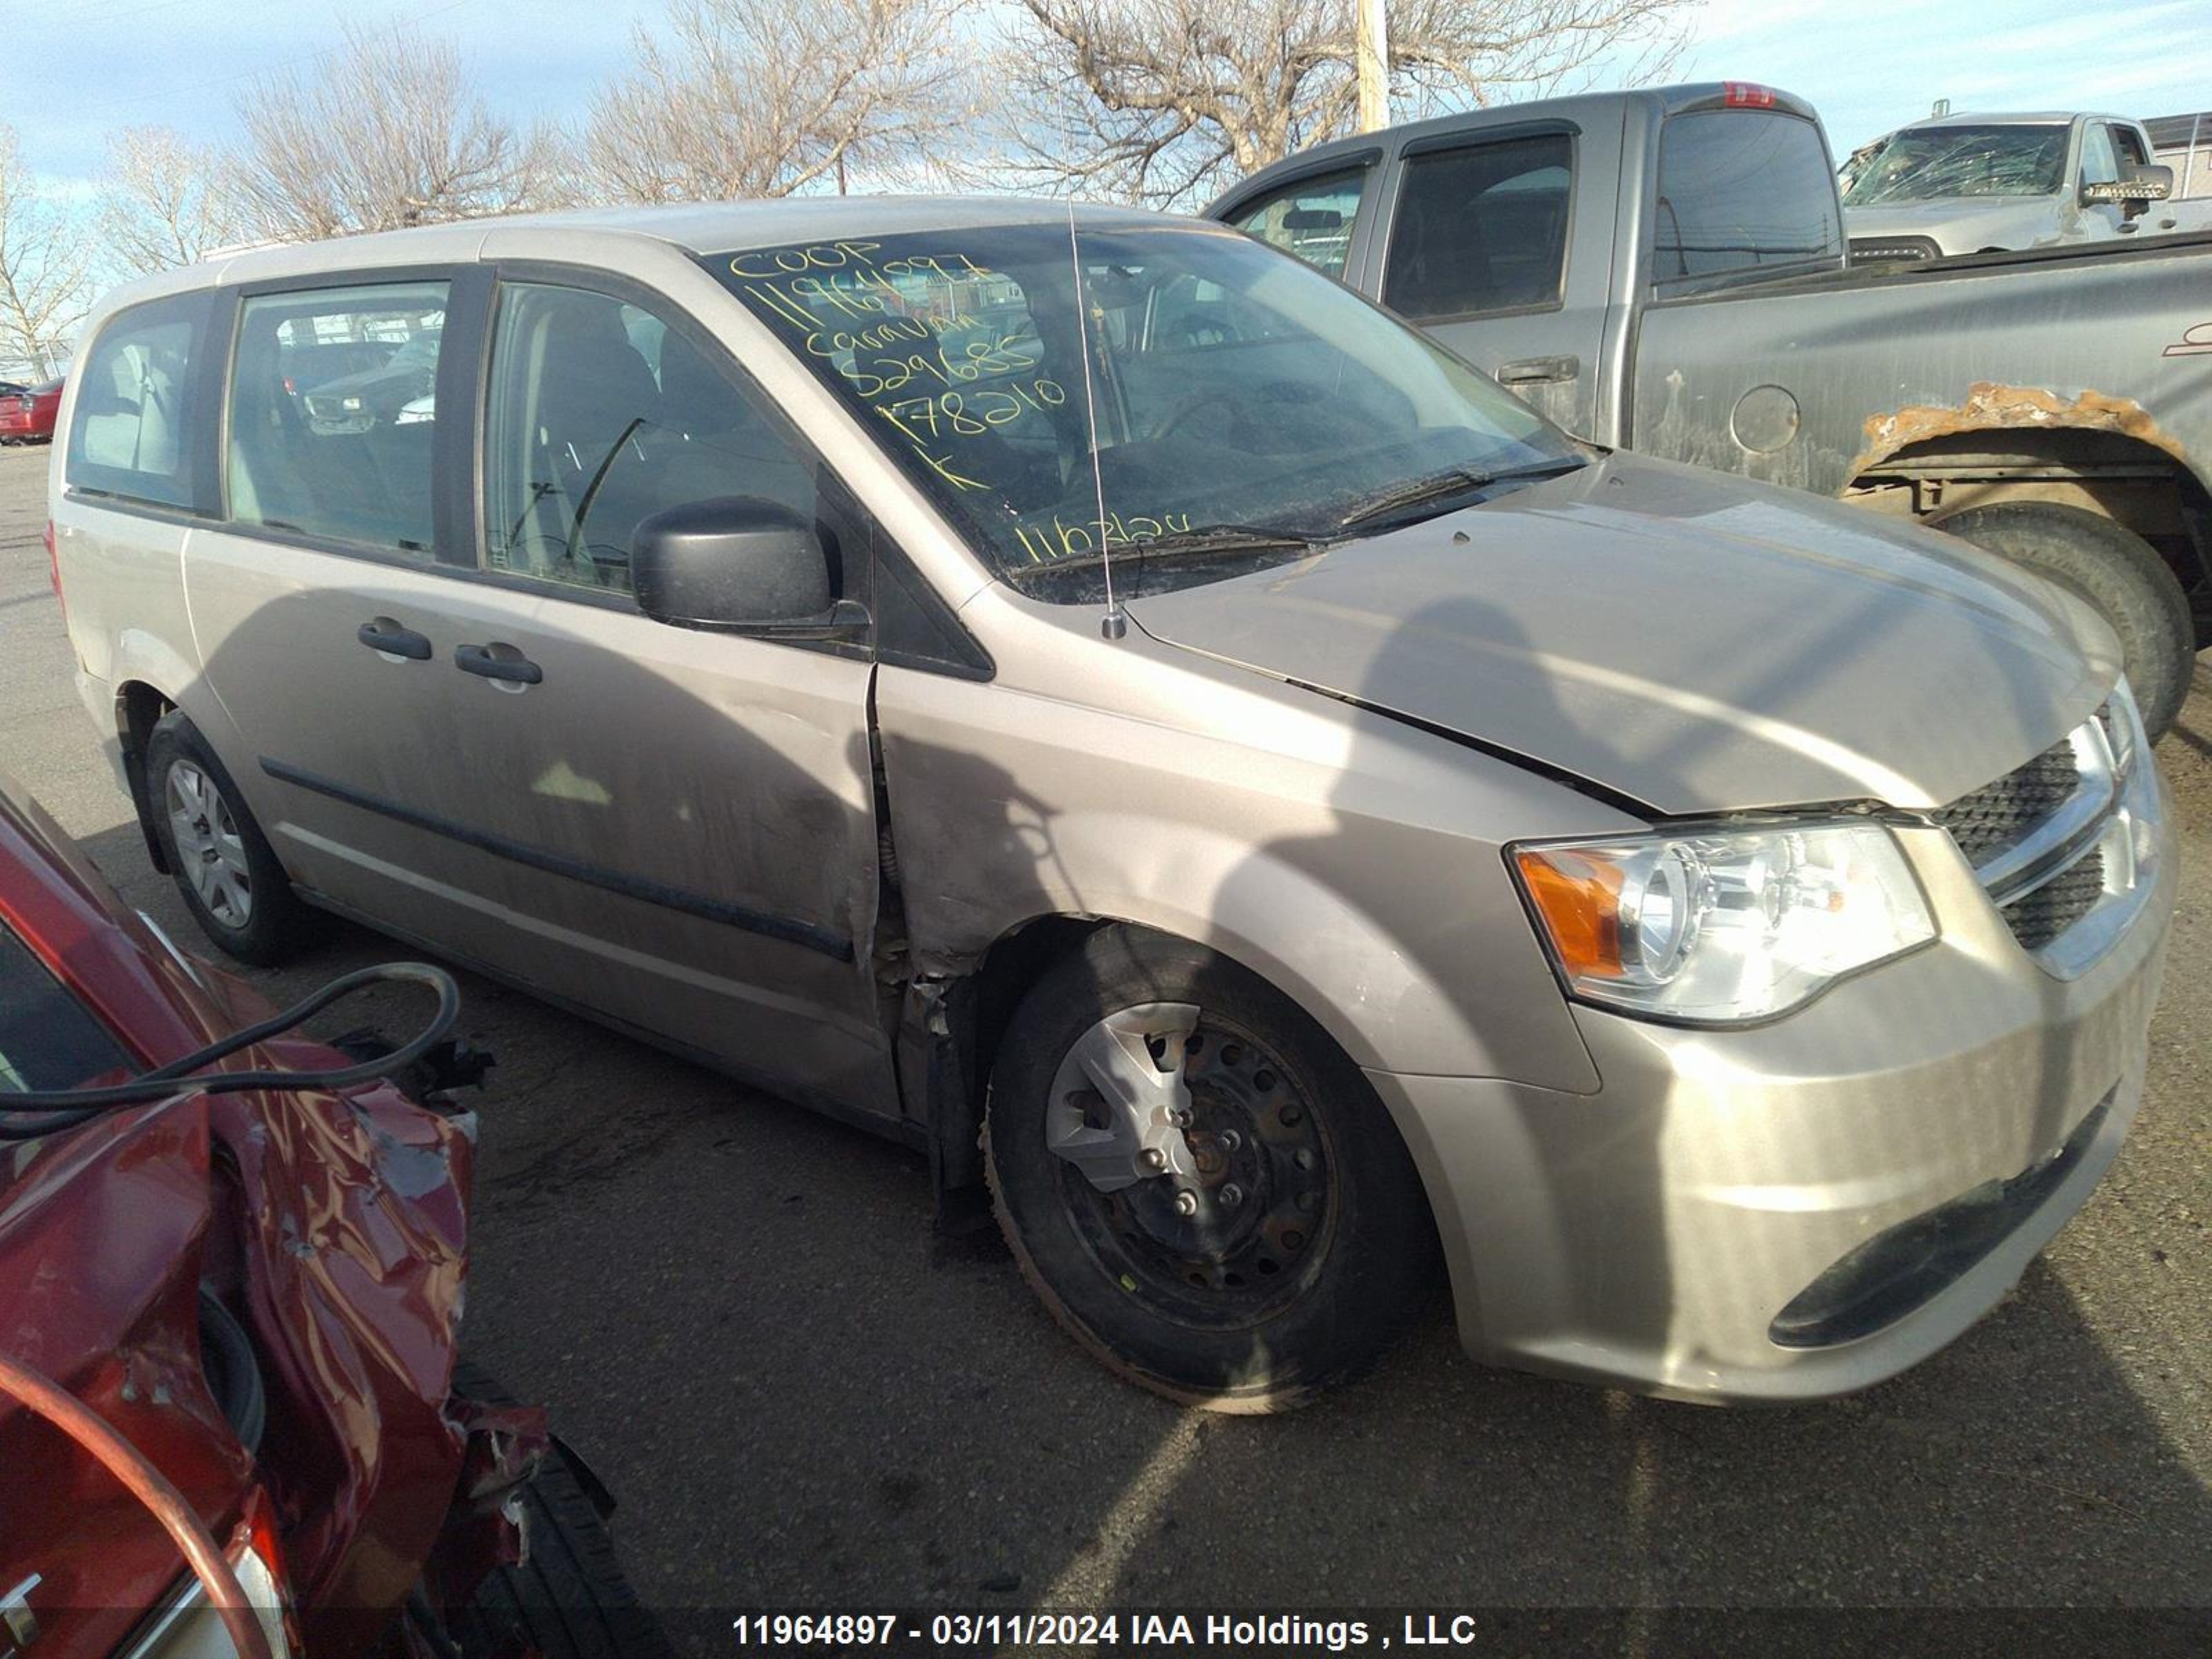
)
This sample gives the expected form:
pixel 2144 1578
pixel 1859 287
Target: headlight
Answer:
pixel 1720 927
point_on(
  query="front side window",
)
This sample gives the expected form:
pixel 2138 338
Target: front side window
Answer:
pixel 1233 389
pixel 1741 190
pixel 134 429
pixel 333 407
pixel 1481 229
pixel 1312 219
pixel 601 415
pixel 2100 162
pixel 1932 164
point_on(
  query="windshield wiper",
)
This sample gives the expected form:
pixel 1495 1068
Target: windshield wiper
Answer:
pixel 1204 542
pixel 1443 486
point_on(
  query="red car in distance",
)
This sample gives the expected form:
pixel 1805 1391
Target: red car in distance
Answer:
pixel 27 414
pixel 253 1296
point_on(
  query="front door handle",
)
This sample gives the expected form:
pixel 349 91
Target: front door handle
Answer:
pixel 1537 371
pixel 393 640
pixel 514 670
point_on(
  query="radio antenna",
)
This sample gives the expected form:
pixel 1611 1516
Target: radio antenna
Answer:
pixel 1114 625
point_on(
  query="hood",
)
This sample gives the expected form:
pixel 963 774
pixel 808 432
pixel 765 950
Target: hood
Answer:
pixel 1960 224
pixel 1694 643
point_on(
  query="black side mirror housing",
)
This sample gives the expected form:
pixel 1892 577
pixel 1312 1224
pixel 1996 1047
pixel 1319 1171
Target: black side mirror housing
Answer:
pixel 737 564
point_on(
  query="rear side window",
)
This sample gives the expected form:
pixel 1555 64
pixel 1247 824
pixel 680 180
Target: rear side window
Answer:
pixel 1311 218
pixel 136 425
pixel 332 408
pixel 1741 190
pixel 1481 229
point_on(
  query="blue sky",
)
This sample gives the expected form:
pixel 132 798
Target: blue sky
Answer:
pixel 70 69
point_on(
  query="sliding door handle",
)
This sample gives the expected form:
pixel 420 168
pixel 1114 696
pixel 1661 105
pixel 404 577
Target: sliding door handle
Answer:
pixel 393 640
pixel 511 668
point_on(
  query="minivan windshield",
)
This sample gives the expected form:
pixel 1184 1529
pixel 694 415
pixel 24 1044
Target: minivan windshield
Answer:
pixel 1927 164
pixel 1243 401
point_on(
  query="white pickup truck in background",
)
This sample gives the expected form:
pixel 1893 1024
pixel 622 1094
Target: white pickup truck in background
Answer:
pixel 1995 184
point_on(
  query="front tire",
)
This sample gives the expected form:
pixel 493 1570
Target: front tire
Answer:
pixel 570 1599
pixel 1296 1250
pixel 2118 572
pixel 224 866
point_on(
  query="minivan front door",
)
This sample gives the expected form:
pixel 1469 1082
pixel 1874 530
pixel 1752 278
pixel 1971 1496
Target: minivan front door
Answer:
pixel 688 820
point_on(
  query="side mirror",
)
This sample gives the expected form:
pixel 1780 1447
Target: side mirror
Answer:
pixel 2135 189
pixel 738 565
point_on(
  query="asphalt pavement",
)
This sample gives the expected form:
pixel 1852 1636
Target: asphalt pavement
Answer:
pixel 739 1312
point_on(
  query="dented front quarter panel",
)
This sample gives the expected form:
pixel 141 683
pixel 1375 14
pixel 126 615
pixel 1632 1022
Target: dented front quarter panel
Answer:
pixel 1138 781
pixel 2096 341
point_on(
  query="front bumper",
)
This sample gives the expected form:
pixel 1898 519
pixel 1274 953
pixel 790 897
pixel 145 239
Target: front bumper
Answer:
pixel 1648 1236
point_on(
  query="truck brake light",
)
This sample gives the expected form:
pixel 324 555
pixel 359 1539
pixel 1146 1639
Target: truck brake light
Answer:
pixel 1747 94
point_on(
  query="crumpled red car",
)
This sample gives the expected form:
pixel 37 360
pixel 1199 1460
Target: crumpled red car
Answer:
pixel 262 1292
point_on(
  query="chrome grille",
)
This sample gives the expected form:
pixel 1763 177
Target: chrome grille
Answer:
pixel 2035 837
pixel 2041 916
pixel 1996 815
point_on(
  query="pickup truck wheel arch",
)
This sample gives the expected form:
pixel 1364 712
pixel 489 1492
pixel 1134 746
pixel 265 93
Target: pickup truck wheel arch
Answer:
pixel 2119 573
pixel 2092 454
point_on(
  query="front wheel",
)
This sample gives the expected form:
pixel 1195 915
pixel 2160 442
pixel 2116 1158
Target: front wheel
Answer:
pixel 1197 1182
pixel 2118 572
pixel 569 1598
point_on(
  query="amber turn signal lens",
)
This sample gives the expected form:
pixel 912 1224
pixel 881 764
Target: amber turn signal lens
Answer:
pixel 1579 900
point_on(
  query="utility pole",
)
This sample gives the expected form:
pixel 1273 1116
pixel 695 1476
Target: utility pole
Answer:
pixel 1371 54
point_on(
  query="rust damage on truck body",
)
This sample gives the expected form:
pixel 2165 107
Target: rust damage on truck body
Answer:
pixel 1990 407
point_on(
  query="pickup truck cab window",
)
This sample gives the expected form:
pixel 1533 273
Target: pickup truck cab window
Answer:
pixel 1312 218
pixel 1741 190
pixel 2100 161
pixel 1481 229
pixel 332 412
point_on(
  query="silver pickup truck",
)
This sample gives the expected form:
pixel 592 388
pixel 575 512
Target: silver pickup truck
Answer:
pixel 1984 183
pixel 1667 271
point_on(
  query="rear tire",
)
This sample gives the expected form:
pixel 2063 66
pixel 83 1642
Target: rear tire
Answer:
pixel 2118 572
pixel 1307 1248
pixel 224 866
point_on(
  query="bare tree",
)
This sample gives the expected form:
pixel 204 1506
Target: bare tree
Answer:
pixel 1168 101
pixel 767 97
pixel 385 133
pixel 165 201
pixel 44 268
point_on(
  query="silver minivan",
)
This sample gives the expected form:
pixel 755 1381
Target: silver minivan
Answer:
pixel 1084 695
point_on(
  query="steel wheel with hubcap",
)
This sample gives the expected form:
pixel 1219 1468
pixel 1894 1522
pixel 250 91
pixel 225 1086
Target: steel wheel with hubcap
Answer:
pixel 231 880
pixel 1197 1182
